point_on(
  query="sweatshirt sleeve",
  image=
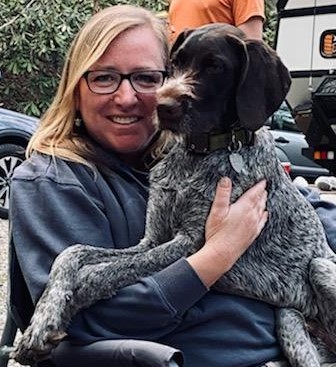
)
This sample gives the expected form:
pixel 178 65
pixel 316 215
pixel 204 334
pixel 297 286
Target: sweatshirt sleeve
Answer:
pixel 47 216
pixel 147 310
pixel 326 211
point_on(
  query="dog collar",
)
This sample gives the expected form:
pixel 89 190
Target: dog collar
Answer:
pixel 207 143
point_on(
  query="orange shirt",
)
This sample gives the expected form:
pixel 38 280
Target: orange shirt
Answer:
pixel 194 13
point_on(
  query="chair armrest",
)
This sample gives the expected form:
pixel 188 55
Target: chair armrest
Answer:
pixel 116 353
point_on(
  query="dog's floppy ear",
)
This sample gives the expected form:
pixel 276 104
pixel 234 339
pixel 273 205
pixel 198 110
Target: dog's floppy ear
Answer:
pixel 264 85
pixel 180 39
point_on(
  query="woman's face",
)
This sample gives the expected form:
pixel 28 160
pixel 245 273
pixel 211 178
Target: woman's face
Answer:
pixel 123 121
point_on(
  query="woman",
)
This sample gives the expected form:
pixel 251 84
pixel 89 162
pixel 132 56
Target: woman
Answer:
pixel 86 182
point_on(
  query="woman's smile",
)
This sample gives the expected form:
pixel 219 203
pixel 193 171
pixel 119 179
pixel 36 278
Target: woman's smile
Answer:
pixel 123 120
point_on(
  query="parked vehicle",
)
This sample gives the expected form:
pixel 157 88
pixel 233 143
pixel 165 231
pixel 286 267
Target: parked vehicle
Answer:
pixel 290 142
pixel 306 43
pixel 15 132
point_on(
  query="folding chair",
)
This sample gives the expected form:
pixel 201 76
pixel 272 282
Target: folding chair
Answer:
pixel 19 305
pixel 105 353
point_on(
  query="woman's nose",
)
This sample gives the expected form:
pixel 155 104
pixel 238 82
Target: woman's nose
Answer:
pixel 125 94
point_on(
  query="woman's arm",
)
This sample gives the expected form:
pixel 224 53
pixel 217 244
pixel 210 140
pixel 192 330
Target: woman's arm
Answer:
pixel 230 229
pixel 47 215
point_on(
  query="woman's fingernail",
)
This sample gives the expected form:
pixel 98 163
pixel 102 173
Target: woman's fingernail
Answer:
pixel 263 182
pixel 224 182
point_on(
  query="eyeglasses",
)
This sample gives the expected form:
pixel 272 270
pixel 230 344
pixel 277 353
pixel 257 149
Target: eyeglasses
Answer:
pixel 108 81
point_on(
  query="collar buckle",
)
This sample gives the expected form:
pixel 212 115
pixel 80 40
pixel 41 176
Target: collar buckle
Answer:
pixel 198 143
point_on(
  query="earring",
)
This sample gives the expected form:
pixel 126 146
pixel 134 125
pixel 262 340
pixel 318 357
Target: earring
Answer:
pixel 78 122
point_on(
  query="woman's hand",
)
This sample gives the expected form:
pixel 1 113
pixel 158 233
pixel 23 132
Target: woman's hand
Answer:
pixel 230 230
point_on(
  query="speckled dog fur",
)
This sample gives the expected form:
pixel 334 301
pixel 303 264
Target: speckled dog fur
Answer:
pixel 220 81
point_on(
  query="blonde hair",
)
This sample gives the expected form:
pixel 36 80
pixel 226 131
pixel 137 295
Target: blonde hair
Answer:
pixel 56 134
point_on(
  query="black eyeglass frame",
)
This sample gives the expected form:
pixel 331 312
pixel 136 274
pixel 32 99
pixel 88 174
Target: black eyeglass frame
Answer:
pixel 128 77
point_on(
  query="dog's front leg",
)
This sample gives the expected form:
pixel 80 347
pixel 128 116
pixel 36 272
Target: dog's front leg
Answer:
pixel 295 340
pixel 55 307
pixel 35 345
pixel 94 278
pixel 104 279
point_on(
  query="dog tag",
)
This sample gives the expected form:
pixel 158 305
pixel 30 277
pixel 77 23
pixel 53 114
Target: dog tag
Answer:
pixel 236 161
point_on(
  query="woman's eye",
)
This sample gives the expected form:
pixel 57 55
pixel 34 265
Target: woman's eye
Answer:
pixel 104 78
pixel 147 79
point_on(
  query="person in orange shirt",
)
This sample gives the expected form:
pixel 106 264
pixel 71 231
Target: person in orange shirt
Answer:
pixel 248 15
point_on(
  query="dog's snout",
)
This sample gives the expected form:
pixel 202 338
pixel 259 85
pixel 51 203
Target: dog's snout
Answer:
pixel 171 110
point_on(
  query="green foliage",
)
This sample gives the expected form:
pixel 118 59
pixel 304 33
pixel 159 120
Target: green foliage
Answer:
pixel 270 22
pixel 156 5
pixel 35 36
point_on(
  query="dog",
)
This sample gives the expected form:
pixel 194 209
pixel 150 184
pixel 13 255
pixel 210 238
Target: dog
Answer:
pixel 222 89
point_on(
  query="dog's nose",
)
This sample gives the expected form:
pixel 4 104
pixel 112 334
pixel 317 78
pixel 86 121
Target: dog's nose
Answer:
pixel 169 110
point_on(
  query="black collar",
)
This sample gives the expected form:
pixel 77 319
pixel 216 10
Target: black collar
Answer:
pixel 206 143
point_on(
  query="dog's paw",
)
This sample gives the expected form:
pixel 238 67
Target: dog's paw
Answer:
pixel 35 344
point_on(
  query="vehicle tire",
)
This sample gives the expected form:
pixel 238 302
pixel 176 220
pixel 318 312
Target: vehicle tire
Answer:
pixel 11 156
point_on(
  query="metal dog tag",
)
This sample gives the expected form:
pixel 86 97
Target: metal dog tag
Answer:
pixel 236 161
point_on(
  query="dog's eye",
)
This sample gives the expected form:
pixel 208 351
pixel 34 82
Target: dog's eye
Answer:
pixel 212 65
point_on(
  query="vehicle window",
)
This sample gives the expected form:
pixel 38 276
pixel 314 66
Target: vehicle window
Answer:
pixel 282 119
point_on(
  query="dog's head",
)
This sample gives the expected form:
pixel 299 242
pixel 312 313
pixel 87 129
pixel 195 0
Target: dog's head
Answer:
pixel 220 80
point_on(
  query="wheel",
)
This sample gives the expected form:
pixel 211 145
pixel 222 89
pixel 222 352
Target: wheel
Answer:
pixel 11 156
